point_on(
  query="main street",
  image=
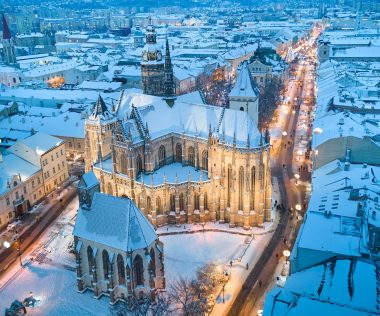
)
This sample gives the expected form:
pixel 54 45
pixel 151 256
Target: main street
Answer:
pixel 249 299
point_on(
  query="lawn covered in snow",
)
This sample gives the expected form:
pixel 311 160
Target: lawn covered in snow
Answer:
pixel 185 253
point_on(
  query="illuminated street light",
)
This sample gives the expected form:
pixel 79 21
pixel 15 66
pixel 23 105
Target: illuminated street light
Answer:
pixel 286 254
pixel 298 207
pixel 284 133
pixel 6 244
pixel 297 176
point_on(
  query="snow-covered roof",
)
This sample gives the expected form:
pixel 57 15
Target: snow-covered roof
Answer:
pixel 335 125
pixel 339 287
pixel 12 165
pixel 115 222
pixel 244 86
pixel 88 180
pixel 33 147
pixel 190 119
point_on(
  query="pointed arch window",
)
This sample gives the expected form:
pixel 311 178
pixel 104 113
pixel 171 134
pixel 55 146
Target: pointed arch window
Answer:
pixel 148 204
pixel 162 156
pixel 178 152
pixel 152 265
pixel 106 264
pixel 191 156
pixel 229 185
pixel 158 205
pixel 205 160
pixel 138 268
pixel 91 260
pixel 253 188
pixel 120 269
pixel 196 201
pixel 241 188
pixel 138 165
pixel 172 203
pixel 181 202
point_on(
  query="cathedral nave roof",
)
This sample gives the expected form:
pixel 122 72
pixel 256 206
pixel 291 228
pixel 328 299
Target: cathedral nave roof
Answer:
pixel 186 118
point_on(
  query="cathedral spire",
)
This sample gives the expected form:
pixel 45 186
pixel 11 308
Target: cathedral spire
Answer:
pixel 100 109
pixel 169 87
pixel 6 32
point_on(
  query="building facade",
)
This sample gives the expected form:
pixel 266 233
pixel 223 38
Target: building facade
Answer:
pixel 196 163
pixel 31 169
pixel 121 259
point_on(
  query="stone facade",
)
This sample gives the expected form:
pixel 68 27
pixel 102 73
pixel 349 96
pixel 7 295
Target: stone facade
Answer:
pixel 235 186
pixel 122 269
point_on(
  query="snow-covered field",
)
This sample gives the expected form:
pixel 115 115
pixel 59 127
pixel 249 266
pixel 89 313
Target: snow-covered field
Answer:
pixel 54 283
pixel 185 253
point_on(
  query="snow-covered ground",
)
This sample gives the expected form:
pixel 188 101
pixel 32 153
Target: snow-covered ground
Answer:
pixel 51 278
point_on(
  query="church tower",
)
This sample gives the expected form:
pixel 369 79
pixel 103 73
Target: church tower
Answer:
pixel 245 94
pixel 8 44
pixel 98 129
pixel 152 64
pixel 169 87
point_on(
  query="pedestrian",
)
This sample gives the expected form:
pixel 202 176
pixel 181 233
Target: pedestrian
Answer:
pixel 260 283
pixel 246 266
pixel 231 263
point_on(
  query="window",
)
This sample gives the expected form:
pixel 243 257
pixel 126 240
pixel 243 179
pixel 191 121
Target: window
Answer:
pixel 59 167
pixel 78 145
pixel 70 144
pixel 138 164
pixel 138 268
pixel 229 185
pixel 56 154
pixel 106 264
pixel 90 259
pixel 52 158
pixel 46 162
pixel 33 183
pixel 10 215
pixel 8 202
pixel 196 201
pixel 61 152
pixel 158 205
pixel 253 184
pixel 241 188
pixel 181 202
pixel 53 169
pixel 25 192
pixel 17 195
pixel 34 196
pixel 241 108
pixel 191 156
pixel 120 269
pixel 63 163
pixel 39 180
pixel 205 160
pixel 172 203
pixel 178 153
pixel 161 156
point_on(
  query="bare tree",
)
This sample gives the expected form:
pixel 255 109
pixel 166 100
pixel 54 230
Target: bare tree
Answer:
pixel 268 101
pixel 144 305
pixel 186 294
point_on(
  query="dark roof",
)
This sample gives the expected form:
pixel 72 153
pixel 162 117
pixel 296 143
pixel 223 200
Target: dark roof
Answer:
pixel 100 107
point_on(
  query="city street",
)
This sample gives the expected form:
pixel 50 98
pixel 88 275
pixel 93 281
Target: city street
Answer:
pixel 43 218
pixel 293 195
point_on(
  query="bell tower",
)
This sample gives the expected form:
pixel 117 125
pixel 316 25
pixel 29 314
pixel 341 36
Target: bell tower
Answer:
pixel 152 64
pixel 8 44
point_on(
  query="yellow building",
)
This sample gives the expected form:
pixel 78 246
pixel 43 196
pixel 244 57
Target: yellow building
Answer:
pixel 181 163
